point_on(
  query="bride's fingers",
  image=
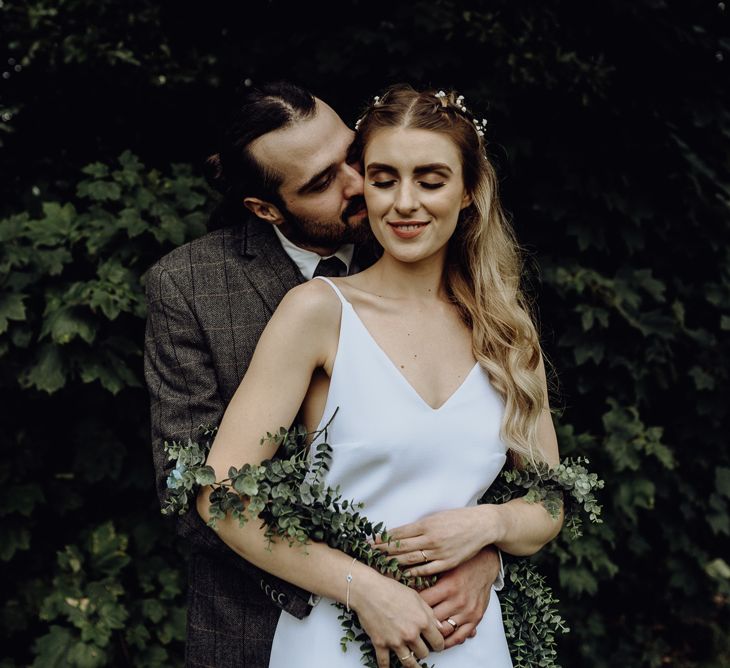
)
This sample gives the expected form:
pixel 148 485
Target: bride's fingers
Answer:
pixel 419 545
pixel 395 546
pixel 382 656
pixel 430 568
pixel 406 531
pixel 418 557
pixel 420 649
pixel 405 539
pixel 432 635
pixel 406 657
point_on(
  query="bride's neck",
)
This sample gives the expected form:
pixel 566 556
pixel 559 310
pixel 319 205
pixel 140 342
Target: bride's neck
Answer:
pixel 409 280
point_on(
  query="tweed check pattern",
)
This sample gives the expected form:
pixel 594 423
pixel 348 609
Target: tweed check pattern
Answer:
pixel 208 303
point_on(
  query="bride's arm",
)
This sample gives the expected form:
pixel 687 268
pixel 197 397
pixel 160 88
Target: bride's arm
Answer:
pixel 524 528
pixel 451 537
pixel 300 338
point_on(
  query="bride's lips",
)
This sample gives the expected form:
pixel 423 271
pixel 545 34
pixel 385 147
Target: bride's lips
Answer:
pixel 407 229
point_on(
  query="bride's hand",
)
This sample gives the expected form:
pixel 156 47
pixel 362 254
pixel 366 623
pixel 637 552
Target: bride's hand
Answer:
pixel 395 618
pixel 442 541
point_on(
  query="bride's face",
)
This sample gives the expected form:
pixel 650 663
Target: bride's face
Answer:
pixel 414 191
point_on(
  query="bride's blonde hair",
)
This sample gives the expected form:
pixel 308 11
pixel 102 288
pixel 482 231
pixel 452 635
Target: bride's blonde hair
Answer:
pixel 484 266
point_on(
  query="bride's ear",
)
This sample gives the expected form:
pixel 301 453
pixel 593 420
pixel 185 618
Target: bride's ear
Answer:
pixel 467 200
pixel 264 210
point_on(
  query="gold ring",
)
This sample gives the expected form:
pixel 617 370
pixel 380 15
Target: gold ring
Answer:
pixel 453 623
pixel 423 554
pixel 409 656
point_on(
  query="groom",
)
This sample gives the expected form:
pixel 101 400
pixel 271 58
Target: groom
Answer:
pixel 284 159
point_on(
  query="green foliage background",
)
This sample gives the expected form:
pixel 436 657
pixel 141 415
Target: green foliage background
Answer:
pixel 610 126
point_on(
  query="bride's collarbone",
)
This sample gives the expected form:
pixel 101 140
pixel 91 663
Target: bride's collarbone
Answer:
pixel 434 360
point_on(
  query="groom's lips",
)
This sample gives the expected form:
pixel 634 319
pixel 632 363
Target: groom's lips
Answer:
pixel 355 211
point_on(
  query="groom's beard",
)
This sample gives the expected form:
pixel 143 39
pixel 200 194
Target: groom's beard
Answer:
pixel 351 227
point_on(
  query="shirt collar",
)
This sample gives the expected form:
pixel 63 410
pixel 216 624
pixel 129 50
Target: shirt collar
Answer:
pixel 307 261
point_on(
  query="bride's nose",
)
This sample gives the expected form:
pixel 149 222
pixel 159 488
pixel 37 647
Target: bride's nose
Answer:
pixel 406 199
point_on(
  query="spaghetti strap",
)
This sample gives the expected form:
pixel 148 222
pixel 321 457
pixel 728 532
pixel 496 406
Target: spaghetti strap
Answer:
pixel 334 287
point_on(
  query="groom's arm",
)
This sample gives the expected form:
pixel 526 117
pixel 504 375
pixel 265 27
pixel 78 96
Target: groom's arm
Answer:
pixel 184 394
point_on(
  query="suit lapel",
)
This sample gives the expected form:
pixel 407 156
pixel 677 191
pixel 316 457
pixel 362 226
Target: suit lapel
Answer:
pixel 266 265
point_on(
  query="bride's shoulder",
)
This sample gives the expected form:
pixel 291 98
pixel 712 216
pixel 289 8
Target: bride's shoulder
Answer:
pixel 310 303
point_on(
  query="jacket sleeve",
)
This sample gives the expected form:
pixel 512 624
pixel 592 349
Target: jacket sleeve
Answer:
pixel 184 394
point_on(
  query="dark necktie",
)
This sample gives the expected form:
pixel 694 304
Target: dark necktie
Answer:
pixel 332 266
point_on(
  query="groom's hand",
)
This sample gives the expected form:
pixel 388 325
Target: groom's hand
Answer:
pixel 462 595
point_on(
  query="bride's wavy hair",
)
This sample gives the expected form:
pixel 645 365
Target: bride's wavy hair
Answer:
pixel 484 265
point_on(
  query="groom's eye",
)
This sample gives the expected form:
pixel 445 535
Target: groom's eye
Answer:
pixel 323 185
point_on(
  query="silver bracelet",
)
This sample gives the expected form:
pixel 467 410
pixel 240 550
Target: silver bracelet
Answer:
pixel 349 580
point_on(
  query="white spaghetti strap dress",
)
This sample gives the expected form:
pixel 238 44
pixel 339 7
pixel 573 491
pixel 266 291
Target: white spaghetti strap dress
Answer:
pixel 404 460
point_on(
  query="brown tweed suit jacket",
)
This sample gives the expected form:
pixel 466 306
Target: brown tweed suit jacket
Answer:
pixel 208 302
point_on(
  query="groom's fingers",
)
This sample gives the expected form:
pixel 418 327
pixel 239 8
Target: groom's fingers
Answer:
pixel 431 568
pixel 414 565
pixel 460 635
pixel 436 596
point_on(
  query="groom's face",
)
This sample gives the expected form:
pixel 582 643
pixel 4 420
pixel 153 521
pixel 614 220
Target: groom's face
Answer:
pixel 322 203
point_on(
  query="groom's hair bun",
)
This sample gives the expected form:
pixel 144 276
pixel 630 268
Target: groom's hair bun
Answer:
pixel 213 171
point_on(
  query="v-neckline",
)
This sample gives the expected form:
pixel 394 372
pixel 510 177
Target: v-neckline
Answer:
pixel 400 374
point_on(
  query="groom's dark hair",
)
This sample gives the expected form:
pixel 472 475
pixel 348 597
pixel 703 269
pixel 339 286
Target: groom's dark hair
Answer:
pixel 233 171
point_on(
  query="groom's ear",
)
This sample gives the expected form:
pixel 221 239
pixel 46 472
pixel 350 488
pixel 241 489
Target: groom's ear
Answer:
pixel 264 210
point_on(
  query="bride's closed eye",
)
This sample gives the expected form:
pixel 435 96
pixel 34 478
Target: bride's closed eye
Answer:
pixel 423 184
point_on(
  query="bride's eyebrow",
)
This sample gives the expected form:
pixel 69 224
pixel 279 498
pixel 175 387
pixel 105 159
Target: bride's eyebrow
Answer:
pixel 381 167
pixel 432 167
pixel 420 169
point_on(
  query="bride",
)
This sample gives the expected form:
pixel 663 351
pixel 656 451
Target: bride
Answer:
pixel 432 359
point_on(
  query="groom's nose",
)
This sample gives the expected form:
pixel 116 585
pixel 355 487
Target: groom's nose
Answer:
pixel 354 183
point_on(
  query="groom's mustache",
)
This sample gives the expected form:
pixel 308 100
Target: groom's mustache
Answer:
pixel 355 206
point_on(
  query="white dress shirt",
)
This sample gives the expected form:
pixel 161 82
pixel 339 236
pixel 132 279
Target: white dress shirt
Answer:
pixel 307 261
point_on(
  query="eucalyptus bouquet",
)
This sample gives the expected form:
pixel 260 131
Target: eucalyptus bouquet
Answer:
pixel 289 495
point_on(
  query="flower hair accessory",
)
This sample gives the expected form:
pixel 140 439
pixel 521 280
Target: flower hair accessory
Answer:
pixel 443 98
pixel 376 103
pixel 480 126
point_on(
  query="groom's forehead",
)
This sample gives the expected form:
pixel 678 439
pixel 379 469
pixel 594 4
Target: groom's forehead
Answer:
pixel 305 148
